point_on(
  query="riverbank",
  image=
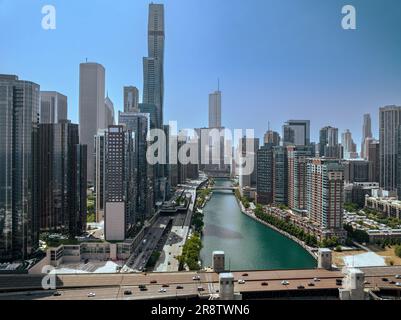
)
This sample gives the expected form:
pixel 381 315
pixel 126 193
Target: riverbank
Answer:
pixel 250 214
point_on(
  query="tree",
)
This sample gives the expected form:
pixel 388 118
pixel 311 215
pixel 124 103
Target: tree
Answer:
pixel 397 251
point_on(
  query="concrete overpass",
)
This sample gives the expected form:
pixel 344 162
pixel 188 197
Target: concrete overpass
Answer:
pixel 260 284
pixel 223 188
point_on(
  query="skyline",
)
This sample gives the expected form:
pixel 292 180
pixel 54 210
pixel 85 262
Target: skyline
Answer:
pixel 119 192
pixel 306 48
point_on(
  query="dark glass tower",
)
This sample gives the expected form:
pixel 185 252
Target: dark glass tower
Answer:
pixel 62 186
pixel 19 118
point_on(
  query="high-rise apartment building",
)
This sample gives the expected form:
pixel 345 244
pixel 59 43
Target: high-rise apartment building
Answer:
pixel 325 196
pixel 296 132
pixel 280 175
pixel 61 185
pixel 297 176
pixel 138 125
pixel 390 121
pixel 264 171
pixel 53 107
pixel 92 111
pixel 19 180
pixel 118 183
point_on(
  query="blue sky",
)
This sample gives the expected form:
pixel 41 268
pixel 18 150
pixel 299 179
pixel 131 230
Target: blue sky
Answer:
pixel 276 59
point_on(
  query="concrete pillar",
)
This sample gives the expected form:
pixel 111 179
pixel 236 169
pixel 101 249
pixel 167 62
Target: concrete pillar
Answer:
pixel 226 281
pixel 218 261
pixel 324 260
pixel 353 285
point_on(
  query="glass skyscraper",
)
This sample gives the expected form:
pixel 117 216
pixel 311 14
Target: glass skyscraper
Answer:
pixel 19 118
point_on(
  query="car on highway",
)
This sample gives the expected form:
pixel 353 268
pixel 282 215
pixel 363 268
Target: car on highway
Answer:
pixel 165 286
pixel 285 283
pixel 162 290
pixel 196 278
pixel 398 276
pixel 316 279
pixel 398 284
pixel 153 282
pixel 179 287
pixel 339 282
pixel 91 295
pixel 265 284
pixel 300 287
pixel 201 289
pixel 245 274
pixel 241 281
pixel 127 292
pixel 57 294
pixel 384 279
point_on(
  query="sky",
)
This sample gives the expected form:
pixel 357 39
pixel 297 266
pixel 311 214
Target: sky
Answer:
pixel 276 59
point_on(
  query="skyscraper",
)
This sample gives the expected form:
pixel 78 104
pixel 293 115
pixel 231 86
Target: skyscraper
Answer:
pixel 109 112
pixel 349 146
pixel 366 133
pixel 100 167
pixel 280 175
pixel 60 189
pixel 296 132
pixel 153 65
pixel 272 137
pixel 325 183
pixel 373 155
pixel 328 143
pixel 264 169
pixel 53 107
pixel 92 111
pixel 118 177
pixel 138 125
pixel 297 174
pixel 390 121
pixel 131 99
pixel 215 110
pixel 249 149
pixel 19 118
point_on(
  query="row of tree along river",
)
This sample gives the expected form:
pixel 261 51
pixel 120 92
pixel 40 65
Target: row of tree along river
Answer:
pixel 248 244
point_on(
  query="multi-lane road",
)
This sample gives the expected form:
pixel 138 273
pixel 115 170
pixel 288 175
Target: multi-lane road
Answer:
pixel 180 284
pixel 140 257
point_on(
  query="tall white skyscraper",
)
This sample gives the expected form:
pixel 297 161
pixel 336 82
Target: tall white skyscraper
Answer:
pixel 215 110
pixel 53 107
pixel 92 111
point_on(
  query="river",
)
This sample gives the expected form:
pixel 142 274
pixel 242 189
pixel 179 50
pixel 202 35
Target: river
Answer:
pixel 248 244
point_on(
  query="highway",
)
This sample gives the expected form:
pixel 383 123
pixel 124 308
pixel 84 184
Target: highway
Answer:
pixel 140 257
pixel 111 287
